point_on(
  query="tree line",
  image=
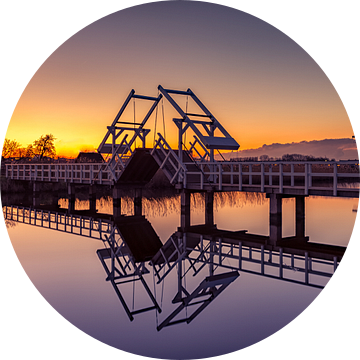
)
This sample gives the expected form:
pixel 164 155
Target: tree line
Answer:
pixel 42 147
pixel 285 157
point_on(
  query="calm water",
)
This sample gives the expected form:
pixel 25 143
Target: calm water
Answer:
pixel 67 272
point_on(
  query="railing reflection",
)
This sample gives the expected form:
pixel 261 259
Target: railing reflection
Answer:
pixel 288 264
pixel 131 248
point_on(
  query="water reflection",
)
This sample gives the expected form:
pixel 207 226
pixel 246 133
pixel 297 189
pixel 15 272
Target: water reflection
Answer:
pixel 197 264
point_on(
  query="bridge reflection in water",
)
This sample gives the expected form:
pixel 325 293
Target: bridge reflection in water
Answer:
pixel 132 252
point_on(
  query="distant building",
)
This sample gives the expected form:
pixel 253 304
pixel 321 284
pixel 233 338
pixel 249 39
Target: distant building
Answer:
pixel 89 157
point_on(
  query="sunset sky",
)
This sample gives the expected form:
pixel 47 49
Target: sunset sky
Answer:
pixel 257 82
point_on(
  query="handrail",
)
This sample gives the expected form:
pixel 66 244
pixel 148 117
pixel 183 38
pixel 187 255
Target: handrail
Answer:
pixel 222 169
pixel 85 173
pixel 180 169
pixel 232 174
pixel 202 146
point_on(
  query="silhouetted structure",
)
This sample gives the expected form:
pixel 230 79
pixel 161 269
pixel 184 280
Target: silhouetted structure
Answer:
pixel 89 157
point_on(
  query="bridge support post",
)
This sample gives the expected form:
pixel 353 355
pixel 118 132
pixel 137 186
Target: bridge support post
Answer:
pixel 71 196
pixel 116 202
pixel 36 193
pixel 185 209
pixel 209 208
pixel 92 197
pixel 275 223
pixel 138 202
pixel 300 216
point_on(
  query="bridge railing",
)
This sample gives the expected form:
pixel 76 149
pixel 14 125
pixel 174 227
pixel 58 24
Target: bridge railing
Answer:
pixel 84 173
pixel 74 224
pixel 274 264
pixel 168 161
pixel 315 175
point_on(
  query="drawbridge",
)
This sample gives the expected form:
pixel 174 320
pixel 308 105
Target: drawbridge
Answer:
pixel 180 165
pixel 196 164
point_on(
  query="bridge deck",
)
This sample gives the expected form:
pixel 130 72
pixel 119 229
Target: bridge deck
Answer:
pixel 339 178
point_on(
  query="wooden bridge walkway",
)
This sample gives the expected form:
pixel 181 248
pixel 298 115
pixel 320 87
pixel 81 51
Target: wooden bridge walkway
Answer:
pixel 332 178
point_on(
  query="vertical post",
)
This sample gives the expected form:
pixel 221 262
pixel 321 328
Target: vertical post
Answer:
pixel 300 216
pixel 262 177
pixel 306 179
pixel 185 209
pixel 220 176
pixel 209 208
pixel 335 180
pixel 292 175
pixel 240 255
pixel 92 197
pixel 220 252
pixel 180 153
pixel 180 247
pixel 306 266
pixel 116 202
pixel 275 223
pixel 240 177
pixel 71 197
pixel 91 176
pixel 138 202
pixel 36 193
pixel 143 139
pixel 250 174
pixel 281 178
pixel 211 258
pixel 270 174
